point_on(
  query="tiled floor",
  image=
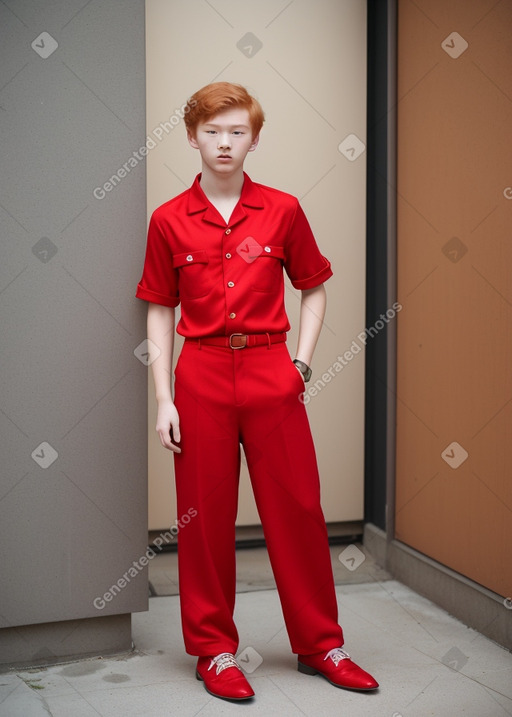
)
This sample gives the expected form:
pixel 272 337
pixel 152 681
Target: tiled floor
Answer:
pixel 427 662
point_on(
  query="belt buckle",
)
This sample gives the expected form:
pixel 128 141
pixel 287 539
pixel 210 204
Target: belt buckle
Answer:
pixel 243 344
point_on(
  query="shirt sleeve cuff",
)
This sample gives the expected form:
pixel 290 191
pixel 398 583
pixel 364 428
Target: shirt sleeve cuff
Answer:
pixel 314 280
pixel 155 297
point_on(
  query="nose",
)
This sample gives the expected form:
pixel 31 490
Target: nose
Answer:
pixel 224 141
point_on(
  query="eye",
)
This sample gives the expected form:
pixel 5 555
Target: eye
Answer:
pixel 238 132
pixel 210 131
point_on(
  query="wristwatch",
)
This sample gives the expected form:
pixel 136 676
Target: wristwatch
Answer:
pixel 304 369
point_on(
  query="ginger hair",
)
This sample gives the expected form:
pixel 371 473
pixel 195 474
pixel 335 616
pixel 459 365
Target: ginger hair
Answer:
pixel 219 97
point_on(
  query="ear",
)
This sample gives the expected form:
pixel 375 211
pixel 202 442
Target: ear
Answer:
pixel 254 143
pixel 192 141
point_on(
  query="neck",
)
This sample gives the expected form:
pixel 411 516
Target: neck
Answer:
pixel 217 186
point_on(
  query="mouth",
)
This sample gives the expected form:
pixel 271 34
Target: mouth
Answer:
pixel 224 156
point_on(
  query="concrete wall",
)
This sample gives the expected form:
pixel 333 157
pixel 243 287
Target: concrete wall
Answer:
pixel 73 416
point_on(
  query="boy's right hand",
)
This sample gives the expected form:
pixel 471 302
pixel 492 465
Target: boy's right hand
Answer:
pixel 168 426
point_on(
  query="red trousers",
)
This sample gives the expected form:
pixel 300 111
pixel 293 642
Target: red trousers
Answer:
pixel 251 396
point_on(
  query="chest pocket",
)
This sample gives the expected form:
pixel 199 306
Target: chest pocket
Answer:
pixel 268 269
pixel 195 279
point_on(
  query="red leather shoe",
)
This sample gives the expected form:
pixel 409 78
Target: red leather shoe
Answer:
pixel 227 680
pixel 338 669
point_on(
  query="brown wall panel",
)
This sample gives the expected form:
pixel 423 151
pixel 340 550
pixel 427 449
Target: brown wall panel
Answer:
pixel 454 218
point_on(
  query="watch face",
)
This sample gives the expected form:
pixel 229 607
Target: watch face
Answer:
pixel 304 369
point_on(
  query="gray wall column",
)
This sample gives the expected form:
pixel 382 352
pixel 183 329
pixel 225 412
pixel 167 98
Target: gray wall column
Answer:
pixel 73 416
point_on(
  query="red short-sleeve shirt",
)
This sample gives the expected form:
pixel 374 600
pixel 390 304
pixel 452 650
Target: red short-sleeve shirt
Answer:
pixel 229 277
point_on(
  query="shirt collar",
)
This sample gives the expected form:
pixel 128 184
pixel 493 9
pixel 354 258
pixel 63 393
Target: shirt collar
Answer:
pixel 250 196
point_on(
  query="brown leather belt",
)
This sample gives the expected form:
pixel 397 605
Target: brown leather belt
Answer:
pixel 240 341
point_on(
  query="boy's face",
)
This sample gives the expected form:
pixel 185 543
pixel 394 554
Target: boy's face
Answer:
pixel 224 141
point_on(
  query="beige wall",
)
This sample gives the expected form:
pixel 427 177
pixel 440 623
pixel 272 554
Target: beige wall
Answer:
pixel 308 69
pixel 454 410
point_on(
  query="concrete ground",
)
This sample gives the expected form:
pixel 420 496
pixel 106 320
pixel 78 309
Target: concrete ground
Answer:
pixel 427 662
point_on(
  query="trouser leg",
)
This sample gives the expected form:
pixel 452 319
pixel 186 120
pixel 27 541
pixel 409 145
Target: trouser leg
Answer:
pixel 207 477
pixel 282 464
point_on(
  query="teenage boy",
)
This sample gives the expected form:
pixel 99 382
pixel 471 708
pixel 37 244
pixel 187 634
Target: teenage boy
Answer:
pixel 219 249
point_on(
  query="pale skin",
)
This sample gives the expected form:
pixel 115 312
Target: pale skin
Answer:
pixel 223 142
